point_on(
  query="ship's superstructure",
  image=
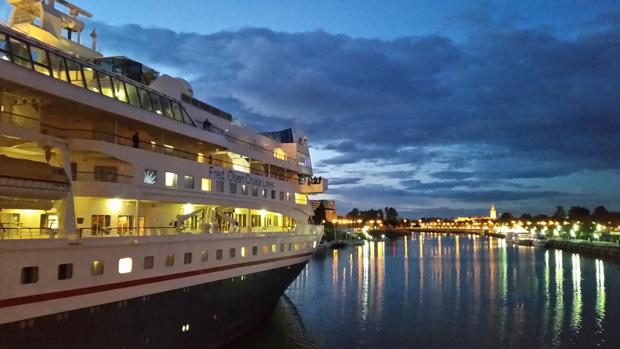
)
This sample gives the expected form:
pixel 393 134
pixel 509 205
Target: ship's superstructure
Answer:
pixel 126 203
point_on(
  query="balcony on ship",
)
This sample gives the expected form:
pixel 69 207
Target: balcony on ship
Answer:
pixel 313 185
pixel 104 127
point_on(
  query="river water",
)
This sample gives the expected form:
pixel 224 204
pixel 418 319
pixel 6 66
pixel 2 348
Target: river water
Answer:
pixel 434 290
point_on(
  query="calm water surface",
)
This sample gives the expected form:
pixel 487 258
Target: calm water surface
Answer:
pixel 439 290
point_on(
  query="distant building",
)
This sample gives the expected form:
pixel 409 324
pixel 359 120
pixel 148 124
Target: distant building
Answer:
pixel 330 208
pixel 493 213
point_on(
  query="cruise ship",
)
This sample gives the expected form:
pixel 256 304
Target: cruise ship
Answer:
pixel 131 213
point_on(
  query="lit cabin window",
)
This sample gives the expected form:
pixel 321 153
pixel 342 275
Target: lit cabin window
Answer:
pixel 169 260
pixel 30 275
pixel 125 265
pixel 288 196
pixel 150 176
pixel 264 193
pixel 200 158
pixel 301 199
pixel 244 252
pixel 205 184
pixel 244 189
pixel 96 268
pixel 274 248
pixel 171 179
pixel 278 153
pixel 265 249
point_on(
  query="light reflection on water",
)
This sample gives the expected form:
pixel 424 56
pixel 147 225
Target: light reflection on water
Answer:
pixel 439 290
pixel 600 295
pixel 576 317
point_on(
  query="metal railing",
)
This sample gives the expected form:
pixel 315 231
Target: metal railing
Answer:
pixel 17 233
pixel 25 233
pixel 110 177
pixel 24 51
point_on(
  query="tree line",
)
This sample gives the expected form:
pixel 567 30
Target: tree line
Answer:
pixel 575 213
pixel 388 215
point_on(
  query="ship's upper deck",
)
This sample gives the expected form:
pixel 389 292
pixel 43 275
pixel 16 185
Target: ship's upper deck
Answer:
pixel 125 81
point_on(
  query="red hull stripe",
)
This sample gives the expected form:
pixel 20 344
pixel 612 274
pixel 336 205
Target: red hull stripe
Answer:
pixel 131 283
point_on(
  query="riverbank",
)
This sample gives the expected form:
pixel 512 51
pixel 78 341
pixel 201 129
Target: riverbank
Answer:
pixel 598 249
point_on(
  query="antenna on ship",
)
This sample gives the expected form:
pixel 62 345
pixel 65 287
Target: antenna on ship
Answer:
pixel 75 24
pixel 93 37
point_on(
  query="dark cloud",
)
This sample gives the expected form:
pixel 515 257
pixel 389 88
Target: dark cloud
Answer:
pixel 344 180
pixel 414 184
pixel 452 175
pixel 486 196
pixel 442 211
pixel 504 104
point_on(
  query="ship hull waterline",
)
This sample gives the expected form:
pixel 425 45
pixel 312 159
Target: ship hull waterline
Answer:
pixel 201 316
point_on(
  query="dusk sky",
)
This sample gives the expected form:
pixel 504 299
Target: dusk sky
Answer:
pixel 431 107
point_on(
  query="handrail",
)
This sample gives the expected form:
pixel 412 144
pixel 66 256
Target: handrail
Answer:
pixel 104 177
pixel 17 233
pixel 127 141
pixel 13 233
pixel 45 66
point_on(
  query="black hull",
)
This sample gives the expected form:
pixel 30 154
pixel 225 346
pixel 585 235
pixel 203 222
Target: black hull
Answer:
pixel 216 313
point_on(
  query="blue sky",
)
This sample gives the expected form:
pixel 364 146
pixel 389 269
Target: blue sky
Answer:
pixel 358 18
pixel 431 107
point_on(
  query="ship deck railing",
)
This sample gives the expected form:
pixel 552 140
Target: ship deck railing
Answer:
pixel 74 133
pixel 111 177
pixel 21 50
pixel 27 233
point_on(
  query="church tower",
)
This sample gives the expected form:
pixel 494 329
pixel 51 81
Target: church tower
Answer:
pixel 493 213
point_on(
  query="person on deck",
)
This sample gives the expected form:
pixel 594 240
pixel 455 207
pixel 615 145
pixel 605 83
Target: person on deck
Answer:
pixel 136 140
pixel 206 124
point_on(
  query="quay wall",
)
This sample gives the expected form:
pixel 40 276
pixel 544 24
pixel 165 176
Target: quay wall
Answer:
pixel 609 251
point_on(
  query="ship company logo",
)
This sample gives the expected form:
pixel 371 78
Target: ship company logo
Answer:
pixel 239 177
pixel 150 176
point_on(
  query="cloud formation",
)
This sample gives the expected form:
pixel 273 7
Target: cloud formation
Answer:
pixel 474 117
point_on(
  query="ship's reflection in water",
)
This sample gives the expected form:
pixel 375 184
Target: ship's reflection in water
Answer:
pixel 440 290
pixel 283 329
